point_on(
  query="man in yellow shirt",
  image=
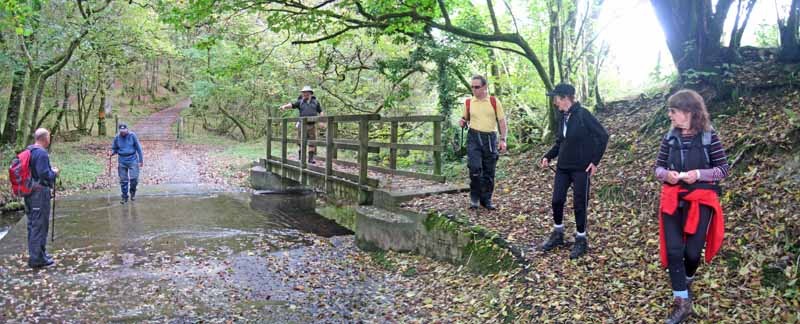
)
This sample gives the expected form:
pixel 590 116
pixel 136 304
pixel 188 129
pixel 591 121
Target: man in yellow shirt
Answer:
pixel 484 115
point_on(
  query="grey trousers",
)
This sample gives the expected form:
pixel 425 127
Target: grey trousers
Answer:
pixel 37 209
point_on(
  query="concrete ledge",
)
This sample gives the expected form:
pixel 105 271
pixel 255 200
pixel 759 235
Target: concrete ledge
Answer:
pixel 378 228
pixel 392 199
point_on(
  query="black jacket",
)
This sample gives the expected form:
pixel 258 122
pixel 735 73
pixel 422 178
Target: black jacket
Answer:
pixel 585 142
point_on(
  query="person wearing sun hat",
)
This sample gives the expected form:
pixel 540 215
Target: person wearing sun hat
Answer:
pixel 580 143
pixel 126 145
pixel 308 106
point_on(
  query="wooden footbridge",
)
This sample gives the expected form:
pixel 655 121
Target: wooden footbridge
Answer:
pixel 356 137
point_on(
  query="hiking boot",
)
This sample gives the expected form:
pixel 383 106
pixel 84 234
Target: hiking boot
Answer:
pixel 47 263
pixel 311 159
pixel 123 201
pixel 681 310
pixel 556 239
pixel 489 206
pixel 474 204
pixel 580 247
pixel 133 196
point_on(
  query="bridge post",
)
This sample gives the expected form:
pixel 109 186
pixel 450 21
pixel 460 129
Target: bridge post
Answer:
pixel 269 140
pixel 330 150
pixel 393 150
pixel 284 132
pixel 303 147
pixel 363 144
pixel 437 141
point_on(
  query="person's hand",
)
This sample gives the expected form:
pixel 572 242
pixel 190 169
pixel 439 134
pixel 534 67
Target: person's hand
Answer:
pixel 462 122
pixel 545 162
pixel 672 177
pixel 591 169
pixel 503 146
pixel 691 177
pixel 55 170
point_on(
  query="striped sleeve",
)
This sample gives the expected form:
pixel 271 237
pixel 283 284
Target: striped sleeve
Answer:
pixel 719 161
pixel 661 160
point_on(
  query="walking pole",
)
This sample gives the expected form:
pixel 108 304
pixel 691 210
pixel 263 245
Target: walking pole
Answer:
pixel 53 213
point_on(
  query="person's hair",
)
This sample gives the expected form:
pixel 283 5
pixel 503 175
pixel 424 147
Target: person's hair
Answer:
pixel 481 78
pixel 570 97
pixel 40 134
pixel 690 101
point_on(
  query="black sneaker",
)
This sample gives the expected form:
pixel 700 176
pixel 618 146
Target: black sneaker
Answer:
pixel 489 206
pixel 474 204
pixel 133 196
pixel 556 239
pixel 123 201
pixel 580 247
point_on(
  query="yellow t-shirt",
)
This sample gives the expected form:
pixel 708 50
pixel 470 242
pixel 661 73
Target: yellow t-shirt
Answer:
pixel 481 114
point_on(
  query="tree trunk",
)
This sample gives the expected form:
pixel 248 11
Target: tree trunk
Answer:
pixel 14 102
pixel 101 112
pixel 235 121
pixel 37 103
pixel 790 44
pixel 64 108
pixel 27 110
pixel 693 31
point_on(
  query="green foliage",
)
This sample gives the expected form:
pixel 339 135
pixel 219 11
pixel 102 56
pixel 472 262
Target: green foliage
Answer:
pixel 767 35
pixel 76 168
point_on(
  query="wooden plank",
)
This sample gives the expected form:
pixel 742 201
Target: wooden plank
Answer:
pixel 413 119
pixel 393 151
pixel 363 138
pixel 330 148
pixel 372 182
pixel 303 137
pixel 317 173
pixel 437 141
pixel 410 174
pixel 349 144
pixel 335 127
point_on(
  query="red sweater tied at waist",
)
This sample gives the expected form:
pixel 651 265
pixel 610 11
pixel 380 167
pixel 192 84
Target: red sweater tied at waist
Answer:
pixel 695 198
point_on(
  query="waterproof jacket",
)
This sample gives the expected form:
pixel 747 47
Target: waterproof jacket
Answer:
pixel 583 142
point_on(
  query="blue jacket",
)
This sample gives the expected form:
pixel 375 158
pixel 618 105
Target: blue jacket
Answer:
pixel 41 172
pixel 128 148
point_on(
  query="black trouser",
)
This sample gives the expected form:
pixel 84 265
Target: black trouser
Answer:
pixel 683 251
pixel 580 196
pixel 481 159
pixel 37 209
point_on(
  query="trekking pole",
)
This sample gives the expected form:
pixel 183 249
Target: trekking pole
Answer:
pixel 53 214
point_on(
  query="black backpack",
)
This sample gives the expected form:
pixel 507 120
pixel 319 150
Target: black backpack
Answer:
pixel 673 138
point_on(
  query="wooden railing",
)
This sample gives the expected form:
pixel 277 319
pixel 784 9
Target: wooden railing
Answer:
pixel 333 143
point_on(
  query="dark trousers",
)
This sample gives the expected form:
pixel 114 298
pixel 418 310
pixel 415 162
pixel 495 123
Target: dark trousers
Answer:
pixel 37 209
pixel 683 251
pixel 128 175
pixel 482 158
pixel 580 196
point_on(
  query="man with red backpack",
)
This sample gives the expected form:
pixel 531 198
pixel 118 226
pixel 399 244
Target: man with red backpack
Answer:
pixel 37 202
pixel 484 115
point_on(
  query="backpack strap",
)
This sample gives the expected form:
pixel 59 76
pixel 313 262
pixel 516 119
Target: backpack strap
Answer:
pixel 492 100
pixel 467 104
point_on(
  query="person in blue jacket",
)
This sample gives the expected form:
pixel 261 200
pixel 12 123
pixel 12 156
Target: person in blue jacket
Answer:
pixel 126 145
pixel 37 205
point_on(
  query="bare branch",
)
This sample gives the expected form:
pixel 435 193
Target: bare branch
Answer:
pixel 443 9
pixel 324 38
pixel 493 16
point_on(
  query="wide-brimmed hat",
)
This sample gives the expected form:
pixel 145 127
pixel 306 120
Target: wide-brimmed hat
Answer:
pixel 307 89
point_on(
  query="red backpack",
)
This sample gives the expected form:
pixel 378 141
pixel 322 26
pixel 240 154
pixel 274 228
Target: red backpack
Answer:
pixel 19 173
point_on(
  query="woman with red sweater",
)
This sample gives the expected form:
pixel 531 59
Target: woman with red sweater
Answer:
pixel 691 162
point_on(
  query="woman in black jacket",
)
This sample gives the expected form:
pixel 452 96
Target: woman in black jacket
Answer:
pixel 580 143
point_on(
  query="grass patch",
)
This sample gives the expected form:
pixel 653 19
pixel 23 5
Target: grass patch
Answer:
pixel 379 258
pixel 76 168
